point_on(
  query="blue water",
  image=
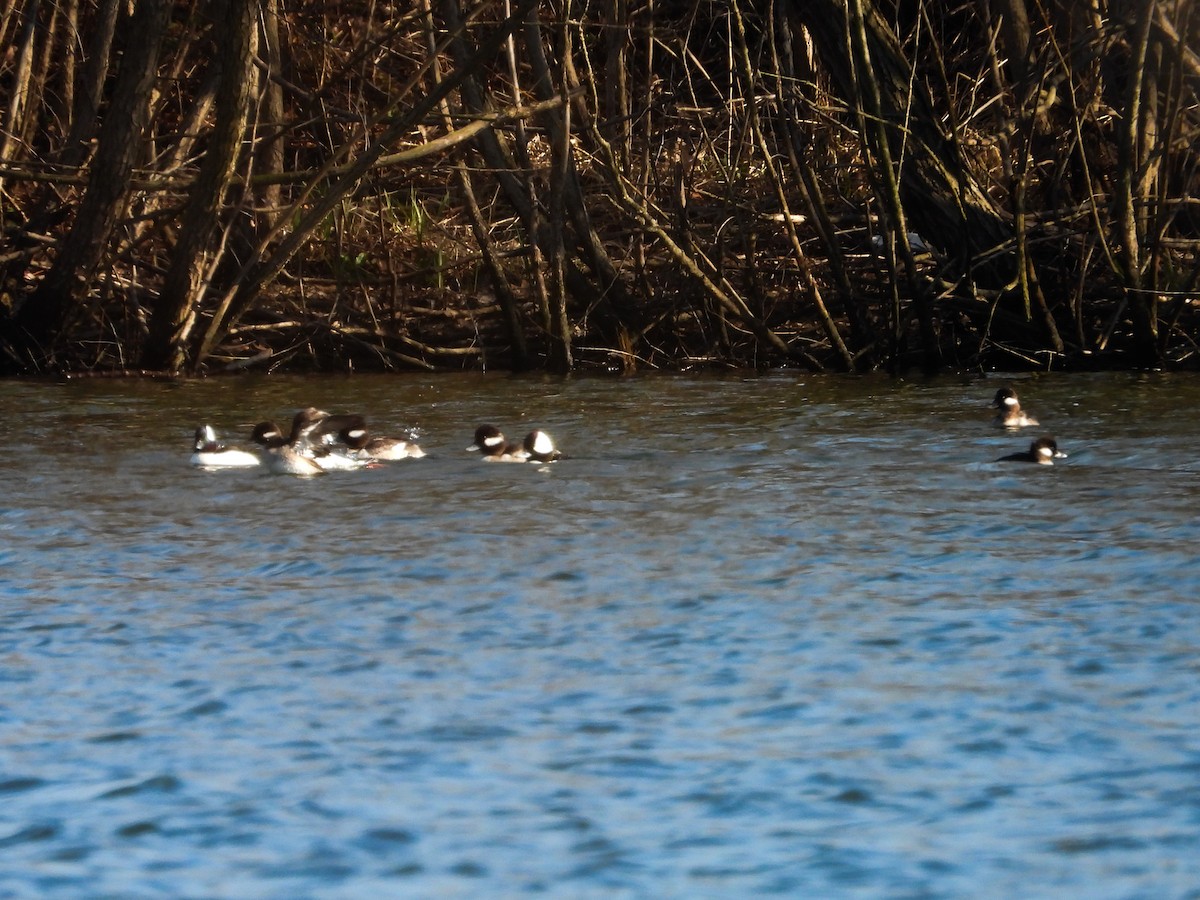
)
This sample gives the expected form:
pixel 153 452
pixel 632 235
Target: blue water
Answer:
pixel 758 635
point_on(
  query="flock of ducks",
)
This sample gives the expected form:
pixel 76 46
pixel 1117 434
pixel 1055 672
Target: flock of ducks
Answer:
pixel 320 442
pixel 1044 450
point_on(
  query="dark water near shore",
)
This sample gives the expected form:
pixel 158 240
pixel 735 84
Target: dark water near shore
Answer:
pixel 778 635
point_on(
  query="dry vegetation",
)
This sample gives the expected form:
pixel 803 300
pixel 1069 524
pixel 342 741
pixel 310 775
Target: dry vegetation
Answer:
pixel 835 184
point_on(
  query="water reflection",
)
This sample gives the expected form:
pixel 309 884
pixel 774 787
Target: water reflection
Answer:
pixel 759 635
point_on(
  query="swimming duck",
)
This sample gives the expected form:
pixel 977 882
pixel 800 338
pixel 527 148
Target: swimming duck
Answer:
pixel 490 441
pixel 1011 415
pixel 539 447
pixel 294 454
pixel 210 453
pixel 1043 451
pixel 315 426
pixel 360 442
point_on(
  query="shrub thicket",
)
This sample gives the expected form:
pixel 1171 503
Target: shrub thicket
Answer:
pixel 836 184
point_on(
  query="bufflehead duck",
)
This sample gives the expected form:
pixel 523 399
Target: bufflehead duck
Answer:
pixel 305 424
pixel 1011 415
pixel 315 426
pixel 490 441
pixel 316 433
pixel 335 460
pixel 288 461
pixel 281 457
pixel 539 447
pixel 332 429
pixel 298 457
pixel 359 440
pixel 1044 451
pixel 268 435
pixel 210 453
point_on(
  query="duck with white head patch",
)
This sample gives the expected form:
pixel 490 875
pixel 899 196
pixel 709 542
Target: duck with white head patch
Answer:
pixel 210 453
pixel 281 457
pixel 539 447
pixel 1042 451
pixel 494 447
pixel 305 450
pixel 362 445
pixel 1010 415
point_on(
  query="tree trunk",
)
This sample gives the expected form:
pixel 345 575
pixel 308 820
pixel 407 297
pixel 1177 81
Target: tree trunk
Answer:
pixel 269 146
pixel 18 90
pixel 179 301
pixel 1128 195
pixel 43 316
pixel 1016 36
pixel 95 73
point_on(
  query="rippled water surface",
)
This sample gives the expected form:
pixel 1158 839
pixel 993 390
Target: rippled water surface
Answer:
pixel 758 635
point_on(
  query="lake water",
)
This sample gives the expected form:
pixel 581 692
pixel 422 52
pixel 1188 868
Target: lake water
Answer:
pixel 764 635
